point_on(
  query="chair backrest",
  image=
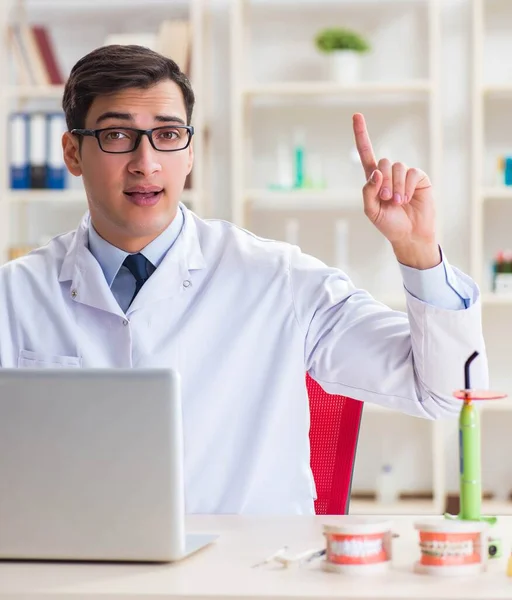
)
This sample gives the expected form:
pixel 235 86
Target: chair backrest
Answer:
pixel 334 431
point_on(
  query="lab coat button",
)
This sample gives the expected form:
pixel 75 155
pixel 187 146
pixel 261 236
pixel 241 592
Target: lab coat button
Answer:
pixel 187 283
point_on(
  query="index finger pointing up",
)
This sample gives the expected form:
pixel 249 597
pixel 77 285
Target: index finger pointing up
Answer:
pixel 364 145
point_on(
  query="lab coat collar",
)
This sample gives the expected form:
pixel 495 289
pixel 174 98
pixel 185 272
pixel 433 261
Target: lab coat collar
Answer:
pixel 88 283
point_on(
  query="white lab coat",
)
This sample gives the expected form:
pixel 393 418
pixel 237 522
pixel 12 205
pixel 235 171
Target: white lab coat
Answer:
pixel 242 319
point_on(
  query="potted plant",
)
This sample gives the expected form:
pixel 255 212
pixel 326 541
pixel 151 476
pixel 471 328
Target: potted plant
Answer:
pixel 344 48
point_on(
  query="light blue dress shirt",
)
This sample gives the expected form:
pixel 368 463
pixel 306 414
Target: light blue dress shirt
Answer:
pixel 438 286
pixel 111 258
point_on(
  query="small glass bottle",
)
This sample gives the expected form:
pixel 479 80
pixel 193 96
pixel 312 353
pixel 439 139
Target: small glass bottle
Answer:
pixel 386 485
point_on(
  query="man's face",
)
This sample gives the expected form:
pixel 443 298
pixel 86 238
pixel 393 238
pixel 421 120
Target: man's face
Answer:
pixel 116 184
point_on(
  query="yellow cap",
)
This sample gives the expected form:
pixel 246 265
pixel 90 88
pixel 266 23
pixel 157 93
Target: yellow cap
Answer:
pixel 509 566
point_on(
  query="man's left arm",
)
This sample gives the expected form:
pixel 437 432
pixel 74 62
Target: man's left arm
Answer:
pixel 442 302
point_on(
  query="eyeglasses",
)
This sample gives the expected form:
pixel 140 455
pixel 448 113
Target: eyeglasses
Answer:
pixel 120 140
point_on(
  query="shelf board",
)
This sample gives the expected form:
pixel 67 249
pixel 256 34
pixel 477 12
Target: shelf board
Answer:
pixel 497 89
pixel 502 405
pixel 491 299
pixel 58 196
pixel 499 192
pixel 307 199
pixel 69 196
pixel 314 88
pixel 99 7
pixel 35 91
pixel 369 407
pixel 496 507
pixel 401 507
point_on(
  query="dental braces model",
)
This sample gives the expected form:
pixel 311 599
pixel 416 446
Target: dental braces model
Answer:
pixel 452 547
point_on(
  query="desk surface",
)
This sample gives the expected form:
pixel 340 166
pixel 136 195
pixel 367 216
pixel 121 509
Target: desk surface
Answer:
pixel 224 569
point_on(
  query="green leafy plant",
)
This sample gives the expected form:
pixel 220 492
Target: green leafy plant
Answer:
pixel 335 38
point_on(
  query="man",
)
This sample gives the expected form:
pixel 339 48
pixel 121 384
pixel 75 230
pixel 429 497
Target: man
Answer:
pixel 144 282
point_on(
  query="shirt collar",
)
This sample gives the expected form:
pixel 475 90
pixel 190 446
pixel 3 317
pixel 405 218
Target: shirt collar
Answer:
pixel 111 258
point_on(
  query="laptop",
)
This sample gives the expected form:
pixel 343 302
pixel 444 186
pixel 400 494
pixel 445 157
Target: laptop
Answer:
pixel 91 466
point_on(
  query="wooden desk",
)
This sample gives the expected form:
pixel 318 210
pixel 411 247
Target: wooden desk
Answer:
pixel 223 570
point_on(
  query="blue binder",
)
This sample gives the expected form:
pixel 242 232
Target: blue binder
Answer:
pixel 55 166
pixel 19 164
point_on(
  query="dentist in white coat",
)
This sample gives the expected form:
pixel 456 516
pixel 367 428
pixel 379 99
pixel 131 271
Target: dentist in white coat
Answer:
pixel 144 282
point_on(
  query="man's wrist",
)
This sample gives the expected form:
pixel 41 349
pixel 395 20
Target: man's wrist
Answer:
pixel 418 256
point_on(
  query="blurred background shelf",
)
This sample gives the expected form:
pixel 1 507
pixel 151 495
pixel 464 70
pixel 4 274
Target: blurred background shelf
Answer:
pixel 497 89
pixel 327 88
pixel 68 196
pixel 496 507
pixel 58 196
pixel 497 192
pixel 401 507
pixel 305 199
pixel 500 299
pixel 35 91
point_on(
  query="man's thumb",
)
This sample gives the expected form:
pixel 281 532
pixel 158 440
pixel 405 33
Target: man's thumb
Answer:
pixel 375 179
pixel 371 195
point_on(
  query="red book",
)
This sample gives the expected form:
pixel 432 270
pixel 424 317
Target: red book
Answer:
pixel 48 55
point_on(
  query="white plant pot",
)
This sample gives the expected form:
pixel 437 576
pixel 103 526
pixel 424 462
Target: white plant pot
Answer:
pixel 345 66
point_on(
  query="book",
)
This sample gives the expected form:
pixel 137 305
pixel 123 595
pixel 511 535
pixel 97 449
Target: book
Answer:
pixel 46 50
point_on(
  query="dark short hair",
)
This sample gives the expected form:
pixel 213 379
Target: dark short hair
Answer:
pixel 110 69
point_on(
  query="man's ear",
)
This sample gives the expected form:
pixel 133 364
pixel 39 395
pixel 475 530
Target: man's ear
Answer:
pixel 71 151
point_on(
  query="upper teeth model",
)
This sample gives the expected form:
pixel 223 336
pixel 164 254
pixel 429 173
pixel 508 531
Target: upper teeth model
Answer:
pixel 357 547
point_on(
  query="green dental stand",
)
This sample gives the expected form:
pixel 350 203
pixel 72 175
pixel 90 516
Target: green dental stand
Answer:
pixel 469 450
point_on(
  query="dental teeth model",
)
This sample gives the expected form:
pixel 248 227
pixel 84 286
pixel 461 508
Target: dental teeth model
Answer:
pixel 358 546
pixel 452 547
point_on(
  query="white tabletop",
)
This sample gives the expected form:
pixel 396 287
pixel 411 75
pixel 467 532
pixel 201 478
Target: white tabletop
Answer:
pixel 224 569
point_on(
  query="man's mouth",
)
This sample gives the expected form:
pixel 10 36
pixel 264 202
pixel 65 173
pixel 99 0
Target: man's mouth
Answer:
pixel 144 196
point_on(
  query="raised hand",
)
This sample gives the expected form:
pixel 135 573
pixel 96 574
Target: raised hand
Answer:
pixel 399 201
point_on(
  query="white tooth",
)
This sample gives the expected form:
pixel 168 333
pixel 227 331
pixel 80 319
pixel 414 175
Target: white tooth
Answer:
pixel 357 547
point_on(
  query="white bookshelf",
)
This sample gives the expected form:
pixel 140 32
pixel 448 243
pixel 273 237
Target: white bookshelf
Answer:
pixel 260 100
pixel 100 19
pixel 491 201
pixel 491 211
pixel 491 87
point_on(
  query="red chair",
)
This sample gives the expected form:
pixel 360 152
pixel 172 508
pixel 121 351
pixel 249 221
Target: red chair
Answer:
pixel 334 430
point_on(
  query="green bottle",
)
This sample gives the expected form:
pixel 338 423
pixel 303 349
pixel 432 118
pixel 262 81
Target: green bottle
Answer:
pixel 470 467
pixel 299 159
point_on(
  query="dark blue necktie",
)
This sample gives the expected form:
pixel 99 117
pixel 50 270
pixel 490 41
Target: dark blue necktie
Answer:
pixel 138 265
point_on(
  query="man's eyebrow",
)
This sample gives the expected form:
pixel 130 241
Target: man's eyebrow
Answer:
pixel 169 119
pixel 129 117
pixel 114 115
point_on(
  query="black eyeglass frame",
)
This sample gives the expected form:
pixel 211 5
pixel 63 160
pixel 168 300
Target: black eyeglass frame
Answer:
pixel 140 132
